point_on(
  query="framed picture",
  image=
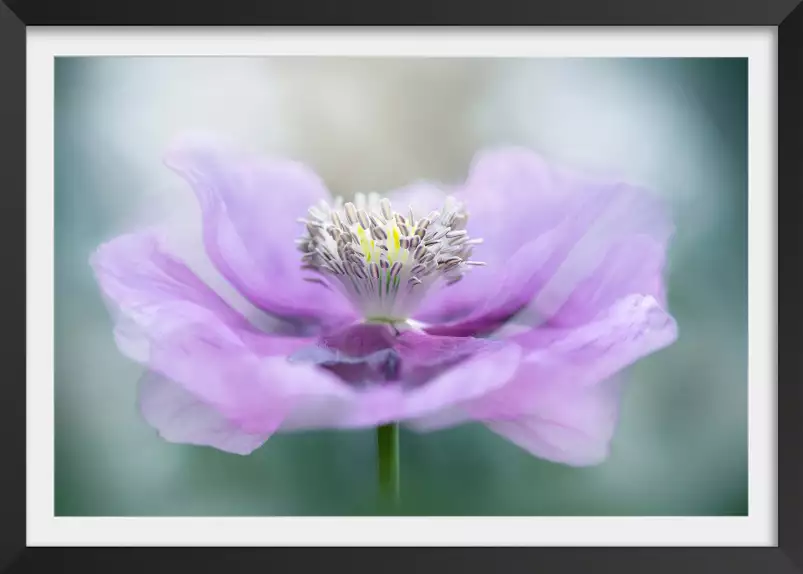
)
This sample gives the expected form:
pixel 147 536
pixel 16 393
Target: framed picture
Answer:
pixel 449 275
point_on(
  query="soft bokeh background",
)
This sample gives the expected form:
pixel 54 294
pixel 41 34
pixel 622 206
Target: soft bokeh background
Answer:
pixel 676 125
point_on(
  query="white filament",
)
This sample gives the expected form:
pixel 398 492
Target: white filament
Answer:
pixel 382 261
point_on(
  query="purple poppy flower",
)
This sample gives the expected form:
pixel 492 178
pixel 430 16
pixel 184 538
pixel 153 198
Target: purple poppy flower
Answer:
pixel 393 318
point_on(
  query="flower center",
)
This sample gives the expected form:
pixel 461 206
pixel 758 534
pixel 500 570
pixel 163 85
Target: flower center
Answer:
pixel 382 261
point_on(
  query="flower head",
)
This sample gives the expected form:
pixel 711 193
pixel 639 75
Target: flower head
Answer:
pixel 385 314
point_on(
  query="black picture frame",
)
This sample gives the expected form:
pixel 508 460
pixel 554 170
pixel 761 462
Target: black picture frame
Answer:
pixel 787 15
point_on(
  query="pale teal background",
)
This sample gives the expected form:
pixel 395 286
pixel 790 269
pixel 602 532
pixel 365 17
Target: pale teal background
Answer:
pixel 679 126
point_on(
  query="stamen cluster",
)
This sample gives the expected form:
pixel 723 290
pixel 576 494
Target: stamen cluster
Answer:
pixel 383 261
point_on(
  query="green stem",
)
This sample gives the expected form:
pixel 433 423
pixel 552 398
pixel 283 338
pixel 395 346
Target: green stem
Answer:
pixel 387 442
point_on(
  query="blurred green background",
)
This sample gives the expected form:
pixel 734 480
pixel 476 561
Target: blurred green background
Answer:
pixel 676 125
